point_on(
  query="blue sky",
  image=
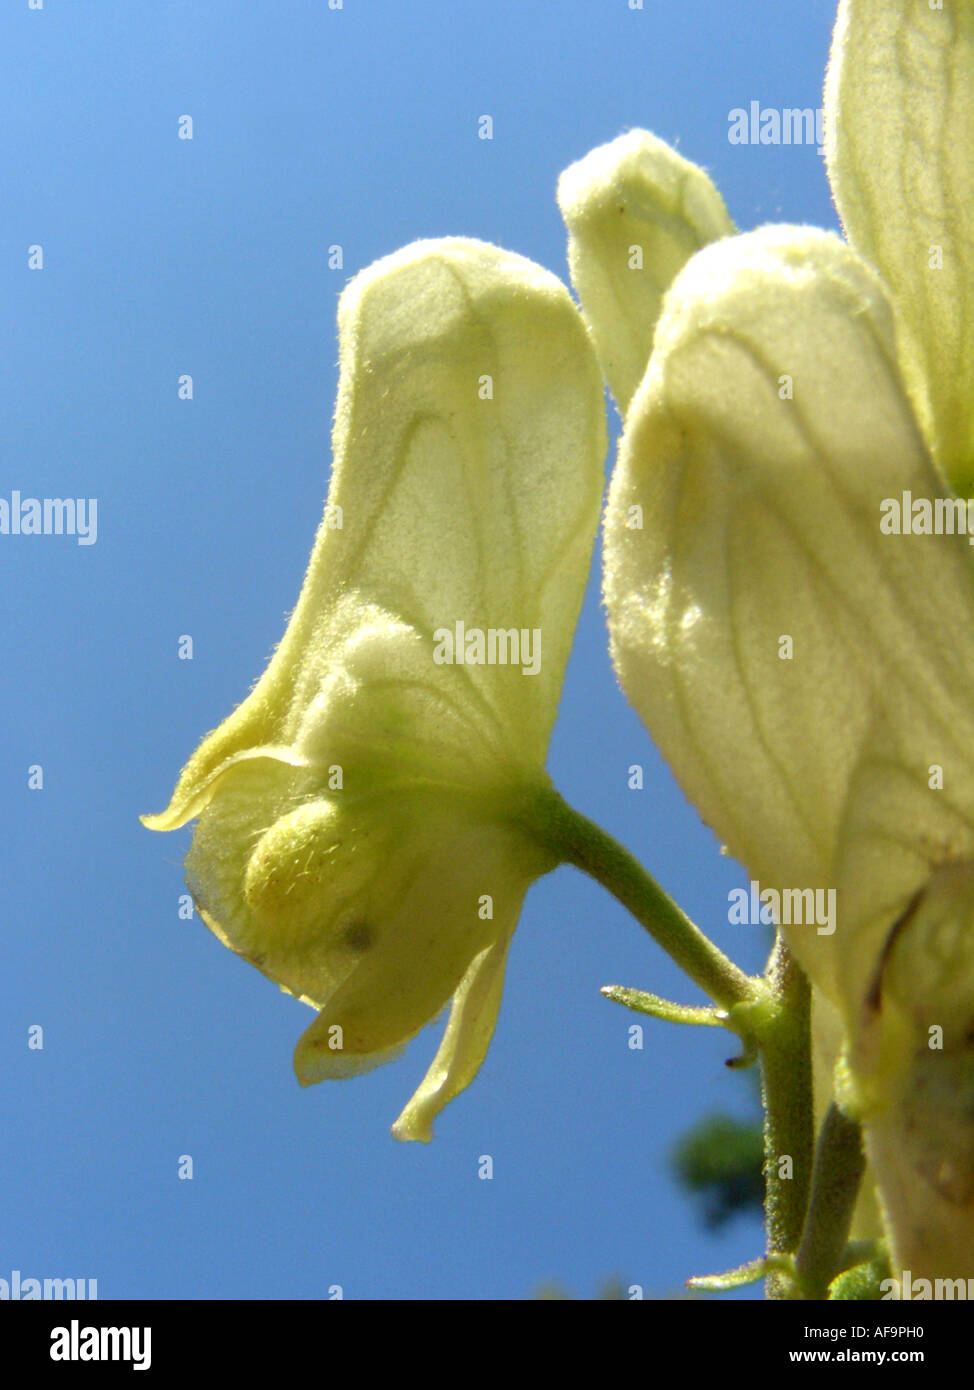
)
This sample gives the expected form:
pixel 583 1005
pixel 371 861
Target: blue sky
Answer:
pixel 312 127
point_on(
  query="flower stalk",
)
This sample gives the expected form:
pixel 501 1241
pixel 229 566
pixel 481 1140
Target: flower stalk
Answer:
pixel 786 1088
pixel 574 839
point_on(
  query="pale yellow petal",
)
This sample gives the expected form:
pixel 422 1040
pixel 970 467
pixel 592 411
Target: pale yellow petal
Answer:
pixel 900 146
pixel 636 211
pixel 913 1070
pixel 473 1016
pixel 762 622
pixel 469 443
pixel 356 835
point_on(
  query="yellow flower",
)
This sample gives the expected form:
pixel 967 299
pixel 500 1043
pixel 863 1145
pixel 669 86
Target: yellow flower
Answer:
pixel 808 673
pixel 357 834
pixel 636 211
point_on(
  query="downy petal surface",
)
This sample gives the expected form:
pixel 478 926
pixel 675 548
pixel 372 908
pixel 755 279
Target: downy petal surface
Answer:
pixel 900 147
pixel 767 630
pixel 636 211
pixel 354 836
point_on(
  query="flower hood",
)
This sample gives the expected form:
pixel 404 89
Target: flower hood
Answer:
pixel 357 836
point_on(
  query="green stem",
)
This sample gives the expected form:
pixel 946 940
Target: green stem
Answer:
pixel 774 1013
pixel 786 1080
pixel 574 839
pixel 839 1165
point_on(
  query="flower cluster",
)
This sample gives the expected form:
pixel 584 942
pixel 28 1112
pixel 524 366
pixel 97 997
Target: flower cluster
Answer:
pixel 807 673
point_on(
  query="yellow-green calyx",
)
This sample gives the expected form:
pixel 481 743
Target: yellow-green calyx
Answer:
pixel 358 836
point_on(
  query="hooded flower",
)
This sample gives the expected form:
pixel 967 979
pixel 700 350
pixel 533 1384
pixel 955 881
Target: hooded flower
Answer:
pixel 790 618
pixel 357 834
pixel 636 211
